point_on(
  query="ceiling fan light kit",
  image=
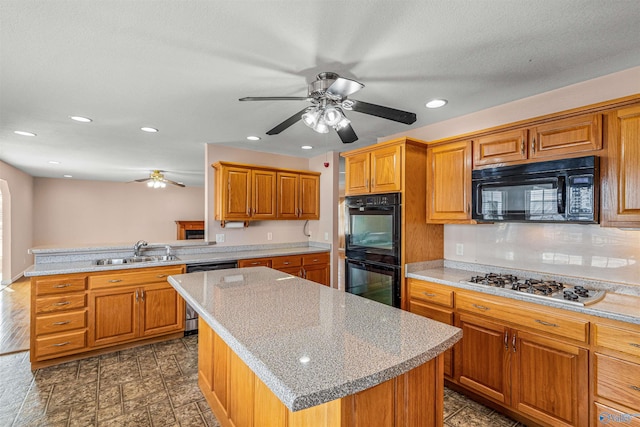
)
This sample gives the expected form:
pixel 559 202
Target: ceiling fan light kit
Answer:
pixel 328 94
pixel 157 180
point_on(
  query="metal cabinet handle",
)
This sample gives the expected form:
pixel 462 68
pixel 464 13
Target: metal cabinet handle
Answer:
pixel 533 146
pixel 427 294
pixel 66 322
pixel 115 280
pixel 64 285
pixel 634 387
pixel 542 322
pixel 366 184
pixel 286 263
pixel 633 344
pixel 522 147
pixel 137 295
pixel 62 303
pixel 506 340
pixel 513 342
pixel 160 276
pixel 481 307
pixel 61 344
pixel 142 294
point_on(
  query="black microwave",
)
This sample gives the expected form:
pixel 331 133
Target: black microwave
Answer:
pixel 554 191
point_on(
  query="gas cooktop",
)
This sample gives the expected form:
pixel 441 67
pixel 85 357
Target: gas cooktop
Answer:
pixel 577 295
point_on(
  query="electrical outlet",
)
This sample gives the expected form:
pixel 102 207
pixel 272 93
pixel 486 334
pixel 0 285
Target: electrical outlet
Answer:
pixel 326 235
pixel 459 249
pixel 219 238
pixel 269 236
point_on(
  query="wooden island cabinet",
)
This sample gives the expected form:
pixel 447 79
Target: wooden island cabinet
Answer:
pixel 314 267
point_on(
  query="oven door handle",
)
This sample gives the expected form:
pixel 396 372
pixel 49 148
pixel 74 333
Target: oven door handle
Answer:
pixel 562 194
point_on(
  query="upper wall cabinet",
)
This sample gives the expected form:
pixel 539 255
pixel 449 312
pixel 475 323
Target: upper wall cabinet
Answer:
pixel 253 193
pixel 621 174
pixel 545 141
pixel 376 171
pixel 298 195
pixel 449 183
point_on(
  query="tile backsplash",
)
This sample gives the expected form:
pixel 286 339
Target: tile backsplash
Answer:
pixel 587 251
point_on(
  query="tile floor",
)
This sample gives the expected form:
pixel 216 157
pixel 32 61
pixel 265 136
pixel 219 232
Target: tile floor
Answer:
pixel 152 385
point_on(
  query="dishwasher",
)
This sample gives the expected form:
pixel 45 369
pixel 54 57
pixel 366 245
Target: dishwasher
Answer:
pixel 191 323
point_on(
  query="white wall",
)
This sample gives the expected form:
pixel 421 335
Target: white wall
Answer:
pixel 577 250
pixel 72 212
pixel 17 202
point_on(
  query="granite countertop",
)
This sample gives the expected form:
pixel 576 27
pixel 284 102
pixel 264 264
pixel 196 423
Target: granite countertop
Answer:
pixel 308 343
pixel 621 301
pixel 82 260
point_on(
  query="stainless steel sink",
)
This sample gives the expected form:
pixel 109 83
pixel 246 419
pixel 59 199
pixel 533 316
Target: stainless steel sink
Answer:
pixel 136 259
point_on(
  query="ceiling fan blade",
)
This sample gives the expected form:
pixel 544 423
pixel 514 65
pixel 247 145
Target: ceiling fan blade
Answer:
pixel 179 184
pixel 274 98
pixel 344 87
pixel 380 111
pixel 290 121
pixel 347 134
pixel 141 180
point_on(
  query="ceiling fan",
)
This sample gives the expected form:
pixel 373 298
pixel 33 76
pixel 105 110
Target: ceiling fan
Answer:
pixel 328 96
pixel 157 180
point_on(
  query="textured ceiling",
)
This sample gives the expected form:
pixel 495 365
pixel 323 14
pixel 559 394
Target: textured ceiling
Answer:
pixel 180 66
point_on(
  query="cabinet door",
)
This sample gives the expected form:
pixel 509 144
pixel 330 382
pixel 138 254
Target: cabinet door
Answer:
pixel 439 315
pixel 288 195
pixel 318 273
pixel 483 361
pixel 449 183
pixel 386 170
pixel 503 147
pixel 550 380
pixel 309 199
pixel 161 311
pixel 621 198
pixel 566 137
pixel 357 174
pixel 236 193
pixel 263 194
pixel 113 316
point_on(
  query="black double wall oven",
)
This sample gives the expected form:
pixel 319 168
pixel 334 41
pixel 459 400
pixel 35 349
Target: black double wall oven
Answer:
pixel 372 247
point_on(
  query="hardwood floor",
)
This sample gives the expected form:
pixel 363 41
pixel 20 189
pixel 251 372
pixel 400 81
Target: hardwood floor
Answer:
pixel 14 316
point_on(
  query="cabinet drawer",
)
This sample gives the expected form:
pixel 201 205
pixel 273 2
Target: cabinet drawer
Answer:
pixel 606 416
pixel 437 314
pixel 617 339
pixel 525 315
pixel 65 302
pixel 313 259
pixel 133 277
pixel 258 262
pixel 431 293
pixel 60 343
pixel 618 380
pixel 57 285
pixel 286 261
pixel 60 322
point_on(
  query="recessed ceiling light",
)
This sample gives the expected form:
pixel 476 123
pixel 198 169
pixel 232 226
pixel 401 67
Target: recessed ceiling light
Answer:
pixel 81 119
pixel 24 133
pixel 54 162
pixel 436 103
pixel 68 176
pixel 306 147
pixel 148 129
pixel 253 138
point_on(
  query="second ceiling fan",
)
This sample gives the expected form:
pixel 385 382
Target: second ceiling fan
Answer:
pixel 328 96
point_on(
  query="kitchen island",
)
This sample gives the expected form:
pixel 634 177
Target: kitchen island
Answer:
pixel 275 349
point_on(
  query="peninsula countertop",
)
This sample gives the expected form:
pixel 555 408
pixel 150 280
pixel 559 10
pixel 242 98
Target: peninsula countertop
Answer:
pixel 308 343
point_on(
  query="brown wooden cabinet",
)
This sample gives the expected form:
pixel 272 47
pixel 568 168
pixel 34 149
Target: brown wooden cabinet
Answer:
pixel 298 196
pixel 58 316
pixel 376 171
pixel 315 267
pixel 129 305
pixel 546 140
pixel 449 183
pixel 621 174
pixel 250 192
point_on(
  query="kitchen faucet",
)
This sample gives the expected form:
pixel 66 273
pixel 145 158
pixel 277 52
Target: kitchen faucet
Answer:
pixel 138 246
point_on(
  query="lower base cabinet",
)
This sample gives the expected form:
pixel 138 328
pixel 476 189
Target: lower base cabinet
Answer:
pixel 314 267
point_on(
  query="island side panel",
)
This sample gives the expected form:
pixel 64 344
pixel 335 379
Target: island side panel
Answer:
pixel 241 399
